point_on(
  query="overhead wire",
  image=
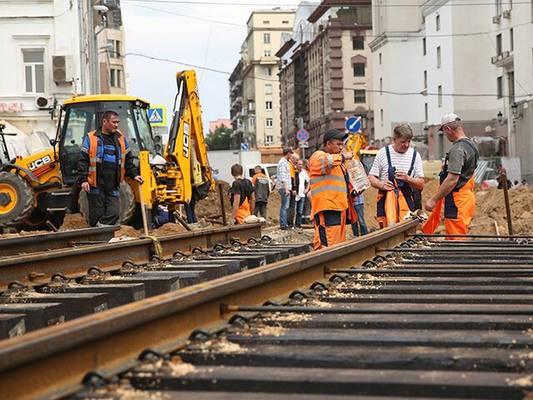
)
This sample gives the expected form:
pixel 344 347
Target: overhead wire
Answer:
pixel 391 92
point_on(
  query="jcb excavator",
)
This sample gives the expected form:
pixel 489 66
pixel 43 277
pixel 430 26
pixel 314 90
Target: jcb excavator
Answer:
pixel 356 143
pixel 36 191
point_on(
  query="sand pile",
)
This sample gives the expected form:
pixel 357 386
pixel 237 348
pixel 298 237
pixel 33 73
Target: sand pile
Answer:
pixel 491 207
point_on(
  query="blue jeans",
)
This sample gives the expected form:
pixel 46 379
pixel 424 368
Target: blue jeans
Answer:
pixel 360 208
pixel 285 198
pixel 299 211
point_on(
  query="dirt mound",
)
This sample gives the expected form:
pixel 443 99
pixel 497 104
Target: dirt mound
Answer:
pixel 491 208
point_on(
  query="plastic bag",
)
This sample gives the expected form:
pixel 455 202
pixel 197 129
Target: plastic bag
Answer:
pixel 357 175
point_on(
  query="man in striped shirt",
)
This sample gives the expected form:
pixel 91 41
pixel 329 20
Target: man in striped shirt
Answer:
pixel 396 172
pixel 284 186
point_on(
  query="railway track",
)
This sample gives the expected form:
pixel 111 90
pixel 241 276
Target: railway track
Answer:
pixel 366 319
pixel 67 295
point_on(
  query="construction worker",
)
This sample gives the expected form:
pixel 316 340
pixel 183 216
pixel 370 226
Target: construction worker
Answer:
pixel 242 195
pixel 329 192
pixel 104 161
pixel 396 171
pixel 456 190
pixel 291 212
pixel 261 186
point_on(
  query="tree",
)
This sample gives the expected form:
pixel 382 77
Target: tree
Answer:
pixel 220 139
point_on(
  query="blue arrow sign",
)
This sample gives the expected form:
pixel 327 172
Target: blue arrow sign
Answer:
pixel 353 124
pixel 245 146
pixel 302 135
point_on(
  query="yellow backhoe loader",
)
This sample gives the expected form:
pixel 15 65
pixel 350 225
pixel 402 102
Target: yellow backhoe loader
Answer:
pixel 36 191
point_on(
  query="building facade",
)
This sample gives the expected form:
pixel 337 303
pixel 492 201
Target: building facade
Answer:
pixel 260 113
pixel 236 106
pixel 327 69
pixel 48 55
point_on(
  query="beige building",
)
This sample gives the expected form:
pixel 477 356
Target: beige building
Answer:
pixel 260 83
pixel 326 70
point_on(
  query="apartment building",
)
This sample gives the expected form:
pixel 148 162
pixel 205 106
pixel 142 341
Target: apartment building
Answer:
pixel 236 109
pixel 326 69
pixel 49 53
pixel 260 82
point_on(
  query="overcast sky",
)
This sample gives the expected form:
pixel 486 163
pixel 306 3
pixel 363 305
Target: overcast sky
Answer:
pixel 188 39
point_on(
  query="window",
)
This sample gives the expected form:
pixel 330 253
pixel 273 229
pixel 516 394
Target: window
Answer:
pixel 269 123
pixel 425 79
pixel 266 22
pixel 359 69
pixel 511 39
pixel 266 38
pixel 437 22
pixel 359 96
pixel 499 87
pixel 381 117
pixel 268 88
pixel 439 96
pixel 285 22
pixel 510 85
pixel 114 48
pixel 115 77
pixel 268 105
pixel 267 53
pixel 267 71
pixel 269 139
pixel 380 85
pixel 251 124
pixel 358 43
pixel 426 112
pixel 499 44
pixel 424 47
pixel 251 105
pixel 33 70
pixel 438 57
pixel 379 58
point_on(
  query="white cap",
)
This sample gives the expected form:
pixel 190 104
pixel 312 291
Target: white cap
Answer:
pixel 451 117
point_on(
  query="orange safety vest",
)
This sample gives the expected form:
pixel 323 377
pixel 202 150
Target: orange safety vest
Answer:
pixel 243 211
pixel 327 183
pixel 94 159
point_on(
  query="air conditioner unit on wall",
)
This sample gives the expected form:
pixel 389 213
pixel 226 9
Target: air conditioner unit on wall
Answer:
pixel 62 69
pixel 44 102
pixel 496 19
pixel 507 14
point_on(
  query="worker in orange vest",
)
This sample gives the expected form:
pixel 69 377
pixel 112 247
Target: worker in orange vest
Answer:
pixel 396 172
pixel 242 195
pixel 456 190
pixel 104 161
pixel 328 182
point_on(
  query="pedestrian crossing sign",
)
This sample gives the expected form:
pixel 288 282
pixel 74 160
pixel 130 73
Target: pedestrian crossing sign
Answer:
pixel 157 115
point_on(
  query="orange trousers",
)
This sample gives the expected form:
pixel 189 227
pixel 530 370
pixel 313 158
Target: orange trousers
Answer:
pixel 395 208
pixel 243 212
pixel 330 228
pixel 459 209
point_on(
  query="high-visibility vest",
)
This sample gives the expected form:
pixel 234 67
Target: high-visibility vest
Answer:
pixel 327 182
pixel 96 155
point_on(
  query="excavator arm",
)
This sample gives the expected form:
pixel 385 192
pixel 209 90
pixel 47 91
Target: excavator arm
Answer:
pixel 355 143
pixel 186 145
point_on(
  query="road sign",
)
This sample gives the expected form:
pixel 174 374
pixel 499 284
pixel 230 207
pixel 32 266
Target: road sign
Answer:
pixel 303 145
pixel 245 146
pixel 353 124
pixel 157 115
pixel 302 135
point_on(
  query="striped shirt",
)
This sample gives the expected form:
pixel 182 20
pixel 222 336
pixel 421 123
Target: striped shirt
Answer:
pixel 401 161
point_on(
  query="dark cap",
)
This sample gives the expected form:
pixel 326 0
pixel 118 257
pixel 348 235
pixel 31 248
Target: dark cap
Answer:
pixel 334 134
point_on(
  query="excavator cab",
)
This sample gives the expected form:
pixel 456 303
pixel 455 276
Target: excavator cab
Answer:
pixel 82 115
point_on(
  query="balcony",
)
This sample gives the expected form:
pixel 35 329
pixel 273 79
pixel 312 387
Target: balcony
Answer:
pixel 505 58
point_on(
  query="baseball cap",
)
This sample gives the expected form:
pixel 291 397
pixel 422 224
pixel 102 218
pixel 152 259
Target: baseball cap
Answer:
pixel 446 119
pixel 334 134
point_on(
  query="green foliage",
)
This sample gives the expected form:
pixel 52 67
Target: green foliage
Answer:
pixel 220 139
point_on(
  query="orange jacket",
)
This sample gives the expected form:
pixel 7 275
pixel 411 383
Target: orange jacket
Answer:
pixel 327 182
pixel 96 158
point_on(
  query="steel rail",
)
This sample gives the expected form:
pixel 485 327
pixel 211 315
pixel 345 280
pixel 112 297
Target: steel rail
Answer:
pixel 55 359
pixel 54 240
pixel 74 262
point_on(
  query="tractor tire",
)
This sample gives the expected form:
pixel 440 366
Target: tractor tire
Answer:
pixel 37 221
pixel 16 199
pixel 127 204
